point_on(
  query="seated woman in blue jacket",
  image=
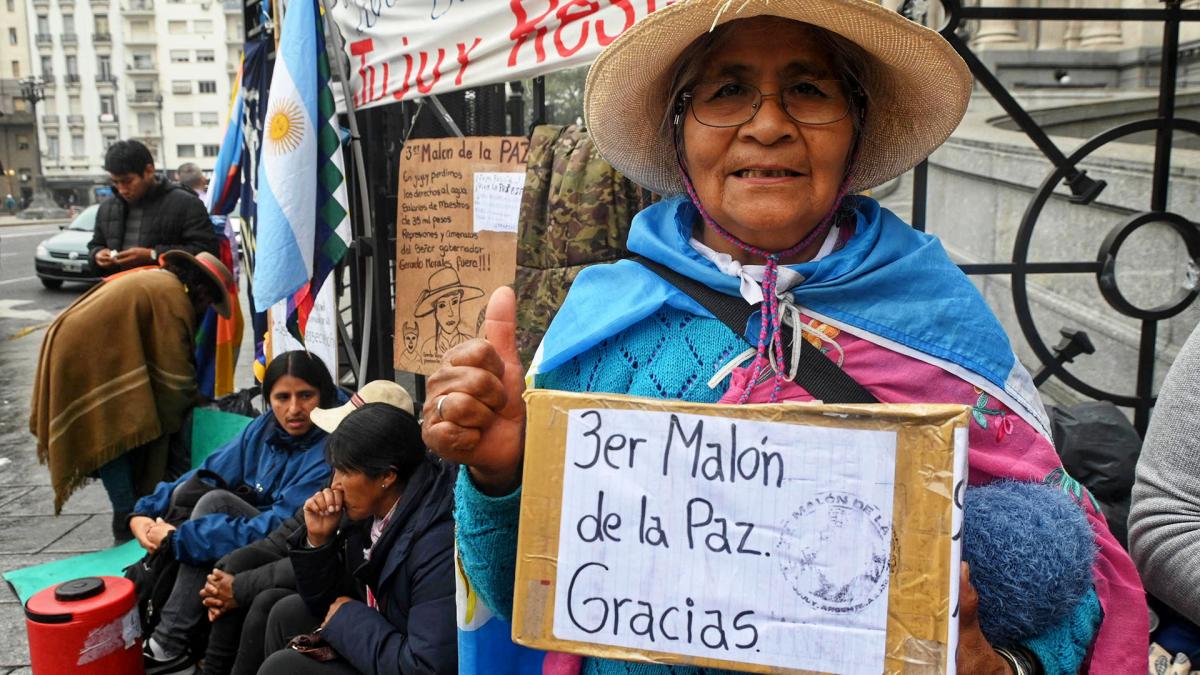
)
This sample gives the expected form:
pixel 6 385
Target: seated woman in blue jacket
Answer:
pixel 276 463
pixel 374 558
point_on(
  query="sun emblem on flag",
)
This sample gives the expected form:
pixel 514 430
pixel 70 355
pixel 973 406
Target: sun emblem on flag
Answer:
pixel 285 127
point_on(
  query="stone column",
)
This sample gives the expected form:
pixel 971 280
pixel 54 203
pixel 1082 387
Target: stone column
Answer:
pixel 998 33
pixel 1101 34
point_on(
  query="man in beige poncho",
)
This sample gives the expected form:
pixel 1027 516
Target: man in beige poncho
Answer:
pixel 116 377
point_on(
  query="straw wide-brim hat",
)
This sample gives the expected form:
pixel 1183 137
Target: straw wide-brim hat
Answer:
pixel 440 283
pixel 212 268
pixel 376 391
pixel 917 86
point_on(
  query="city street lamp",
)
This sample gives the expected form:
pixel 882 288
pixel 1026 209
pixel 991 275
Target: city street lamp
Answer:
pixel 33 90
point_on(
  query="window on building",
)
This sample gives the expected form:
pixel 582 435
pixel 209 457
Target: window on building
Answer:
pixel 43 24
pixel 68 21
pixel 202 26
pixel 52 147
pixel 47 66
pixel 102 23
pixel 205 56
pixel 143 61
pixel 109 141
pixel 104 67
pixel 211 150
pixel 107 105
pixel 72 65
pixel 74 106
pixel 177 27
pixel 16 69
pixel 12 5
pixel 12 36
pixel 143 86
pixel 183 119
pixel 181 87
pixel 21 105
pixel 139 27
pixel 22 142
pixel 180 56
pixel 209 119
pixel 208 86
pixel 77 146
pixel 185 150
pixel 147 123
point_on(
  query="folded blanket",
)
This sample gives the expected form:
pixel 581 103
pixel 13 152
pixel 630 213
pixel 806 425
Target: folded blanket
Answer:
pixel 115 373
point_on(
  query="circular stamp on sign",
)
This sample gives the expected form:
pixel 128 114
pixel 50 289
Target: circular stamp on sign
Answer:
pixel 834 551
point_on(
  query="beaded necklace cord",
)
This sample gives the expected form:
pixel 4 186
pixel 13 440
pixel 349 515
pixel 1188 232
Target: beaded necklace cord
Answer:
pixel 770 325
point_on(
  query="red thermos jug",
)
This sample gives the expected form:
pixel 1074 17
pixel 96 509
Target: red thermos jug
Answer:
pixel 87 626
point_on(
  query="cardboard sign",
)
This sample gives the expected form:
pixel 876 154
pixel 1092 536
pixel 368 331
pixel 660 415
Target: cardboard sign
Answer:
pixel 774 539
pixel 456 240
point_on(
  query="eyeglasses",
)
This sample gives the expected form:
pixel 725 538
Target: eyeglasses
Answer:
pixel 731 104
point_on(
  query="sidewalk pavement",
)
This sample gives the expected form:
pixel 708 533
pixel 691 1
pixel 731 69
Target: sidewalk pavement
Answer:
pixel 29 532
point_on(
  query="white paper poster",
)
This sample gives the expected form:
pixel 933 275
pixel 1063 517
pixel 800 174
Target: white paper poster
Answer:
pixel 498 200
pixel 320 334
pixel 787 561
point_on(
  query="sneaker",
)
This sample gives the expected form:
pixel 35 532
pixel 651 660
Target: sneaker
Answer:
pixel 158 664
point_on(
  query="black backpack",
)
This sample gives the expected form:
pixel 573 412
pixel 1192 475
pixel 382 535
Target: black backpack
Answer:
pixel 154 575
pixel 153 578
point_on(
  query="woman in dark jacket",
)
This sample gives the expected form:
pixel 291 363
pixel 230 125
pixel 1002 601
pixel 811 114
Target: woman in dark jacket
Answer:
pixel 375 556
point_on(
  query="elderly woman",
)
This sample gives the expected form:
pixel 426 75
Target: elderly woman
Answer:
pixel 756 120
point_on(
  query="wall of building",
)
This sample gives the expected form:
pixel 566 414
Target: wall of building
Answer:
pixel 17 154
pixel 981 183
pixel 154 70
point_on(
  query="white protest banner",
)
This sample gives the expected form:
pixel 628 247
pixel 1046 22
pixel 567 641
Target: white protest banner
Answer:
pixel 402 49
pixel 785 538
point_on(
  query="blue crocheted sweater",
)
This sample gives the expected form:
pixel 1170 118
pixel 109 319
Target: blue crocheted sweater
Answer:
pixel 670 354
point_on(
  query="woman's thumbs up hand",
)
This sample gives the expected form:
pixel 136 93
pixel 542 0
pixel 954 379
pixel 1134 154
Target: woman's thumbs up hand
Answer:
pixel 474 413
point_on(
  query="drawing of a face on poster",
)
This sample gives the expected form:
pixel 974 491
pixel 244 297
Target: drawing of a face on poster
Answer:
pixel 444 297
pixel 408 358
pixel 410 338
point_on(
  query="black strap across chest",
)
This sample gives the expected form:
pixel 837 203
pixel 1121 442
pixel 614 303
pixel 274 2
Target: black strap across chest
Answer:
pixel 820 377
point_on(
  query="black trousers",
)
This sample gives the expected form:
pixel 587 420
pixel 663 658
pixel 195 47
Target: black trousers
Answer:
pixel 235 641
pixel 290 617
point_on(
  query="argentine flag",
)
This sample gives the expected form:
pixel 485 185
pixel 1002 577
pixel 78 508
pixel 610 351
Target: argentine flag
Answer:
pixel 287 170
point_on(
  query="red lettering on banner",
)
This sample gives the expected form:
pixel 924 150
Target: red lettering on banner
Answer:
pixel 360 49
pixel 566 17
pixel 630 16
pixel 464 59
pixel 421 86
pixel 525 27
pixel 408 66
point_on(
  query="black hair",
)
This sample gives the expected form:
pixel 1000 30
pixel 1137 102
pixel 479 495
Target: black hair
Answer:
pixel 375 439
pixel 306 366
pixel 127 156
